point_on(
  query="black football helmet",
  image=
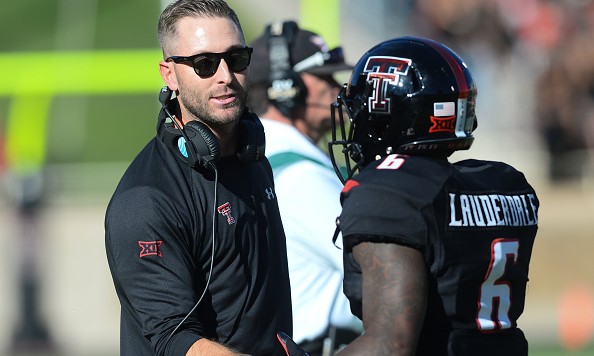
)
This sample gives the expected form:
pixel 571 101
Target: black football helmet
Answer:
pixel 407 95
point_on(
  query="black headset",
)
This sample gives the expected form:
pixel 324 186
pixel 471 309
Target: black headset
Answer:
pixel 286 90
pixel 197 145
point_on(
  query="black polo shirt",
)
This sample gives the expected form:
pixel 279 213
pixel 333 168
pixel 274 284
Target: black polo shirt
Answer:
pixel 159 242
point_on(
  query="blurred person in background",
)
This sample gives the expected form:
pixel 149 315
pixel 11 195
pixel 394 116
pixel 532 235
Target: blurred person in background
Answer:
pixel 480 33
pixel 194 238
pixel 292 86
pixel 436 253
pixel 564 105
pixel 474 27
pixel 540 50
pixel 24 185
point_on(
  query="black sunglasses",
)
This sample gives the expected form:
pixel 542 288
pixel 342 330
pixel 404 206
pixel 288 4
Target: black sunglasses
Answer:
pixel 206 64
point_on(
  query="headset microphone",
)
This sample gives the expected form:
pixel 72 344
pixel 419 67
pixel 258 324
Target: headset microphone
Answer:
pixel 165 95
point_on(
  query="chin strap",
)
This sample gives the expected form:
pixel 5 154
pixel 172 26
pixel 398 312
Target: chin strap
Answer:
pixel 336 232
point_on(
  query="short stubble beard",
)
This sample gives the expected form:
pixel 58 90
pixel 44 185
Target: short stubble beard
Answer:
pixel 198 107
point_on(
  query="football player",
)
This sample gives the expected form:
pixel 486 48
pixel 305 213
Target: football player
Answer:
pixel 436 254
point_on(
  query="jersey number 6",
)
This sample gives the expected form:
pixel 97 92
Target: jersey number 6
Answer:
pixel 494 303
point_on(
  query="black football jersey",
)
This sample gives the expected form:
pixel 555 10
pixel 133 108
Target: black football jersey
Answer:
pixel 474 222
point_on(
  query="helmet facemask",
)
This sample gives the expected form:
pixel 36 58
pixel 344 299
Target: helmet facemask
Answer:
pixel 361 139
pixel 341 146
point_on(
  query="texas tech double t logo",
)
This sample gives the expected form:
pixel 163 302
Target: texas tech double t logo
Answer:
pixel 381 72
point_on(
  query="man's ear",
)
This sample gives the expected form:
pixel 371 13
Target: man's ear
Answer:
pixel 168 74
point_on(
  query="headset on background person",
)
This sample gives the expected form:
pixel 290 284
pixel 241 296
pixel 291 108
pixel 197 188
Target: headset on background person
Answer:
pixel 286 90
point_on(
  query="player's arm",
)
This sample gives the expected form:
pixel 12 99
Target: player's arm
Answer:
pixel 394 299
pixel 208 347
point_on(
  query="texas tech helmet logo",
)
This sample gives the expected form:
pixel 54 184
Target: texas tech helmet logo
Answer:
pixel 381 72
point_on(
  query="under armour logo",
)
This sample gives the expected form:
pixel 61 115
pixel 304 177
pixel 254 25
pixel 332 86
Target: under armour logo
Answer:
pixel 269 193
pixel 225 210
pixel 150 248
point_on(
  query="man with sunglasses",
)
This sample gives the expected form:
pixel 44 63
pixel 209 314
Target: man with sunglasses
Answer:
pixel 194 238
pixel 292 86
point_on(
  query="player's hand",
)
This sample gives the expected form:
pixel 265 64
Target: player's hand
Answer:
pixel 291 348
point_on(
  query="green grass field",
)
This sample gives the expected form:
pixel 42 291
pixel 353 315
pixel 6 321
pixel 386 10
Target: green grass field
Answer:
pixel 559 352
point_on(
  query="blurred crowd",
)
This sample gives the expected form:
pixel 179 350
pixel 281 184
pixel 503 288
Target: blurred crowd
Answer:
pixel 551 42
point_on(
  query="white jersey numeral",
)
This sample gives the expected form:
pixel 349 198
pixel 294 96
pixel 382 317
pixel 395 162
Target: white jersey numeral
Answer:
pixel 495 301
pixel 392 161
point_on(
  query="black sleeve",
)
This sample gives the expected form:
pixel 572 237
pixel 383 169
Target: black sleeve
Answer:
pixel 379 213
pixel 149 254
pixel 392 205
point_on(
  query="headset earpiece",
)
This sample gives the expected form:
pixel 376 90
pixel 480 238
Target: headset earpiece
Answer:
pixel 251 142
pixel 195 143
pixel 203 144
pixel 286 90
